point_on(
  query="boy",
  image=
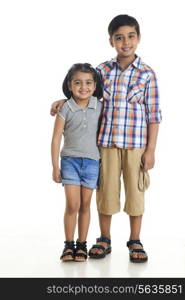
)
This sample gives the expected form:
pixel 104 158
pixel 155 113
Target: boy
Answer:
pixel 128 135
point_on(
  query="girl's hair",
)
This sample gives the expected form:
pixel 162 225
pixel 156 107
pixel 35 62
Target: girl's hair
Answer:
pixel 85 68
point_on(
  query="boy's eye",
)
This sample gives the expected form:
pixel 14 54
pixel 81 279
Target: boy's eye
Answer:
pixel 118 38
pixel 131 36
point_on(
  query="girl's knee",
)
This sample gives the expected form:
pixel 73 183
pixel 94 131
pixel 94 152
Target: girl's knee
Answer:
pixel 72 209
pixel 85 207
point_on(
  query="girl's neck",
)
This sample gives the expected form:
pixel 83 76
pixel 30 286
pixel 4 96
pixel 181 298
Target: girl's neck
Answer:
pixel 82 103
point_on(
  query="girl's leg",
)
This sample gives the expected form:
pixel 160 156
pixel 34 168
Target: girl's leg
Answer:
pixel 72 193
pixel 83 222
pixel 84 213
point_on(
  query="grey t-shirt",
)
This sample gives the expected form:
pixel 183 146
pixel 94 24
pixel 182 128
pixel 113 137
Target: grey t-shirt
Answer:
pixel 80 129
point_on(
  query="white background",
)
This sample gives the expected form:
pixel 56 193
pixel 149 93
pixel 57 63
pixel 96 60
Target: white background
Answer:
pixel 40 40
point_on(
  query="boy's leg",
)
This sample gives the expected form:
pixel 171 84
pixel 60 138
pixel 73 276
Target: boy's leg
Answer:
pixel 104 223
pixel 108 194
pixel 134 204
pixel 135 228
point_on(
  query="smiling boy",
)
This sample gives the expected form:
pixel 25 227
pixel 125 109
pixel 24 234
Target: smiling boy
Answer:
pixel 127 137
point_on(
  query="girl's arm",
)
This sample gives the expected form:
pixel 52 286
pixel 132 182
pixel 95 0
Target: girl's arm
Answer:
pixel 56 106
pixel 55 147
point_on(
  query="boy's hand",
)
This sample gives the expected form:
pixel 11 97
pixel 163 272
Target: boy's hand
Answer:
pixel 148 160
pixel 56 175
pixel 55 107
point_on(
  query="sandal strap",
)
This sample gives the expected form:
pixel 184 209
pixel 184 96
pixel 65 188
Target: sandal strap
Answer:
pixel 138 251
pixel 81 254
pixel 103 239
pixel 66 253
pixel 81 246
pixel 132 242
pixel 98 247
pixel 69 245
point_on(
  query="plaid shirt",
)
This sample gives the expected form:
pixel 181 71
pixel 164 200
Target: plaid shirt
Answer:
pixel 131 101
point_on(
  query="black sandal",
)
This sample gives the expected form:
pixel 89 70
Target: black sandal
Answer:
pixel 106 250
pixel 69 245
pixel 80 246
pixel 137 250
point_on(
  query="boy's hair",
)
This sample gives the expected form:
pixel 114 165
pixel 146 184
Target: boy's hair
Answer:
pixel 85 68
pixel 123 20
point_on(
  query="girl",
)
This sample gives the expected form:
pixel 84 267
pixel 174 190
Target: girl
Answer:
pixel 78 120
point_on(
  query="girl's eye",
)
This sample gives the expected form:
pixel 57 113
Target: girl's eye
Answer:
pixel 77 82
pixel 89 82
pixel 131 36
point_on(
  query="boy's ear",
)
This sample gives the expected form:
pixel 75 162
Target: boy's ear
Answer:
pixel 111 42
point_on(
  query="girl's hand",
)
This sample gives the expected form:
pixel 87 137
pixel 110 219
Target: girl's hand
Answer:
pixel 55 107
pixel 56 175
pixel 148 160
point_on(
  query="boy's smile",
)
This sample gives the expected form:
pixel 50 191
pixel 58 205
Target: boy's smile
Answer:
pixel 125 40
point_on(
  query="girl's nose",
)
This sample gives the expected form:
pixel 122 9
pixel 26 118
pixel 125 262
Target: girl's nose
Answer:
pixel 83 85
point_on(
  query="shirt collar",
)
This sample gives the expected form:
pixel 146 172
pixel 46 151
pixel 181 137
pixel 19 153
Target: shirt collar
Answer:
pixel 75 107
pixel 137 63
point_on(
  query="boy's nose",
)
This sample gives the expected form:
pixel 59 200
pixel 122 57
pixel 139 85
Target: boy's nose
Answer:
pixel 125 42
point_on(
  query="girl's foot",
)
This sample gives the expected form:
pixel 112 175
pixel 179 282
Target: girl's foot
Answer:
pixel 81 251
pixel 68 252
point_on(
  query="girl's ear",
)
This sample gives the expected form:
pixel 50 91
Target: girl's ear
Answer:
pixel 69 85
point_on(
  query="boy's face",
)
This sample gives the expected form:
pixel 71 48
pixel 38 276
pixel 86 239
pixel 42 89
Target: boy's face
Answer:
pixel 125 40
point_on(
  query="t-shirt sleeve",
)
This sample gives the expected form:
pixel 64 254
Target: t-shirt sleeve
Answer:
pixel 63 111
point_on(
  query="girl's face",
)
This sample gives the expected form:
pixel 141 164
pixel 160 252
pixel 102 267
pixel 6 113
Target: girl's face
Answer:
pixel 82 86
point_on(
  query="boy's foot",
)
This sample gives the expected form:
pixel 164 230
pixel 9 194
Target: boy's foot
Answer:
pixel 101 248
pixel 137 253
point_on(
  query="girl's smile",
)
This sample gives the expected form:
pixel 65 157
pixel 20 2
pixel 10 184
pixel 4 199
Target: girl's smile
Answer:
pixel 82 86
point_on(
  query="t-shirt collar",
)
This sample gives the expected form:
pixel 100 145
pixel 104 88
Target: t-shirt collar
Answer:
pixel 75 107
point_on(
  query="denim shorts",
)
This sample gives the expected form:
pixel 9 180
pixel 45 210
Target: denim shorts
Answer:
pixel 80 171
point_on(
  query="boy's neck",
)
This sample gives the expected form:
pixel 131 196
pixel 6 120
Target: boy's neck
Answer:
pixel 124 62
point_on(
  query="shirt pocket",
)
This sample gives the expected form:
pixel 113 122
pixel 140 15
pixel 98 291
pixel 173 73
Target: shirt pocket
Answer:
pixel 136 93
